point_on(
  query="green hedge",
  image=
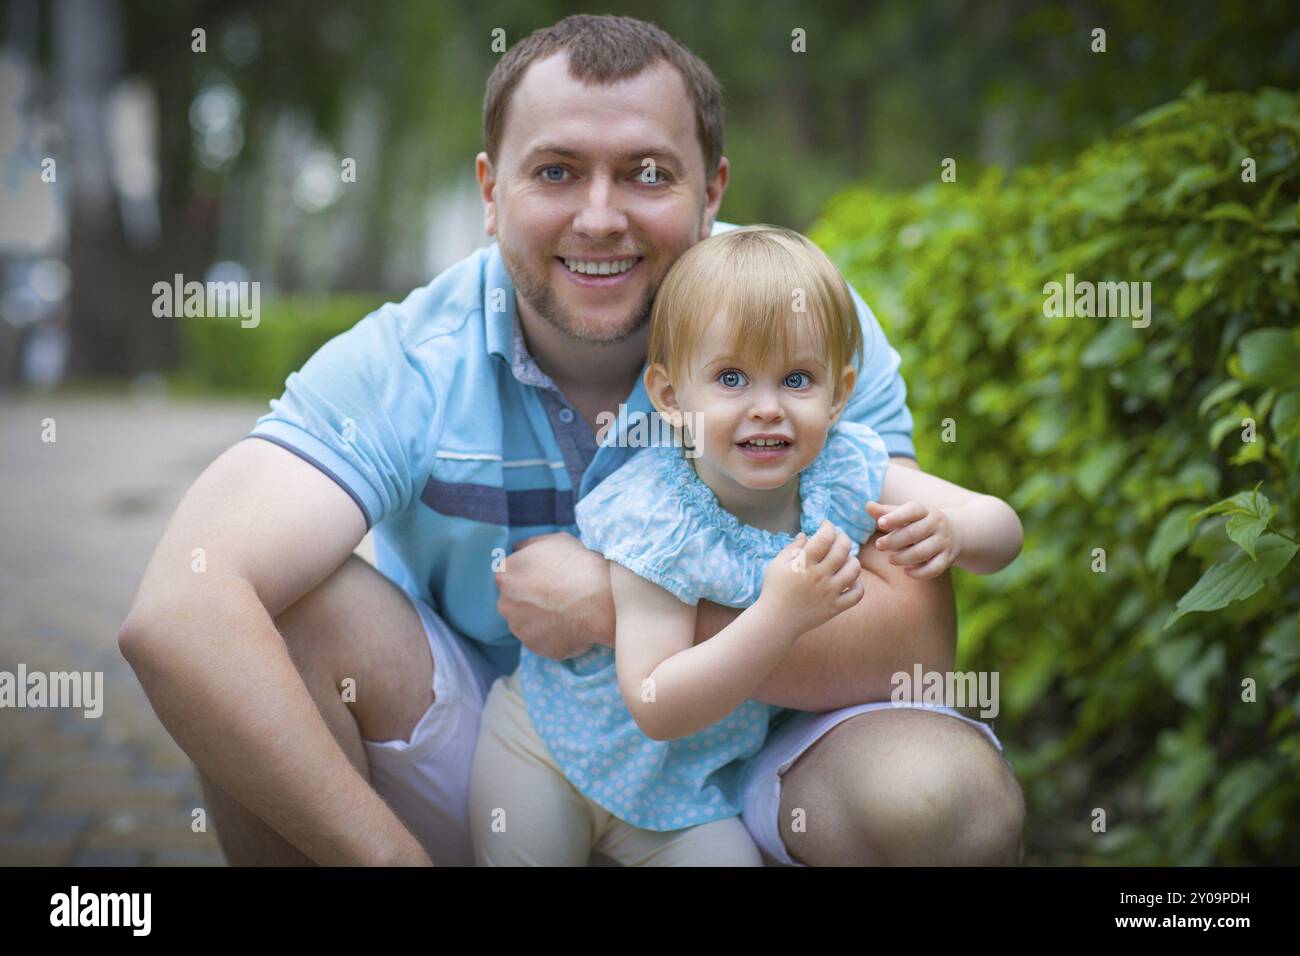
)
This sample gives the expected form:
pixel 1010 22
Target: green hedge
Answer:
pixel 1122 689
pixel 219 355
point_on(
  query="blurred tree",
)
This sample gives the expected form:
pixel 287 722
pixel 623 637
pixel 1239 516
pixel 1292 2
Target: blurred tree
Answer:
pixel 882 94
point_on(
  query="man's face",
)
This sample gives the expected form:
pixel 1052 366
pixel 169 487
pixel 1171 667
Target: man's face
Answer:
pixel 597 179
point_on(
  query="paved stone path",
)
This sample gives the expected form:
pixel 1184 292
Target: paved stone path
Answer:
pixel 79 519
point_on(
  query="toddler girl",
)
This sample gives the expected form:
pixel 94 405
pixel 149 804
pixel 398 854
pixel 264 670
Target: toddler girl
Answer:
pixel 637 751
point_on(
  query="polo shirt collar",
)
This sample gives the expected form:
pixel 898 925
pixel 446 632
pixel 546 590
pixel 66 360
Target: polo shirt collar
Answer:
pixel 505 336
pixel 500 325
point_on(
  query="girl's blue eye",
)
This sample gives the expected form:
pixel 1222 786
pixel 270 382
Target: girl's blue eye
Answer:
pixel 732 378
pixel 806 380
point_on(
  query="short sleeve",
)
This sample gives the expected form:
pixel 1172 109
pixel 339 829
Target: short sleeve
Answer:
pixel 879 398
pixel 858 458
pixel 636 518
pixel 361 411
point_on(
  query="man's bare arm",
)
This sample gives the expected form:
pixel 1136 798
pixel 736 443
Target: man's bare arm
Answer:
pixel 217 671
pixel 900 621
pixel 850 659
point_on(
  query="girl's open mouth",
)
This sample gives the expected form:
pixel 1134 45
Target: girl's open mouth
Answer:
pixel 765 449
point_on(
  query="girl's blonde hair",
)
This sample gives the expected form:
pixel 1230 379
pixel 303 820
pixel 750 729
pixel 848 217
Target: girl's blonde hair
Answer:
pixel 759 277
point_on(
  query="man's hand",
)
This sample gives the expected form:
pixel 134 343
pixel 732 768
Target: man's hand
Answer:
pixel 555 595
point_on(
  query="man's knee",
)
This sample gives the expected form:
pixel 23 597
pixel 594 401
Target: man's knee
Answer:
pixel 317 625
pixel 357 638
pixel 947 797
pixel 904 787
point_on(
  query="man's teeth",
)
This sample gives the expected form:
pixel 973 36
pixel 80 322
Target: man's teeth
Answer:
pixel 608 268
pixel 765 442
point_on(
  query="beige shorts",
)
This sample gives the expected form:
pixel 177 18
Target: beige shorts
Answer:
pixel 524 812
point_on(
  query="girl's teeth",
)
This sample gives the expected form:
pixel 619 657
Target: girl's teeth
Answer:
pixel 765 442
pixel 599 268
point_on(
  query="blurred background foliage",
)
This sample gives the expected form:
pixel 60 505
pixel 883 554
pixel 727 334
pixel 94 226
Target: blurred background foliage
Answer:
pixel 226 162
pixel 1148 650
pixel 1122 165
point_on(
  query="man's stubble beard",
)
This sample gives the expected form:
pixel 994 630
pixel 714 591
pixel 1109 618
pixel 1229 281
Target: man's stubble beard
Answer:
pixel 537 293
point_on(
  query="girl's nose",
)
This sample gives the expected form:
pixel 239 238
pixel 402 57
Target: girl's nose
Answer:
pixel 766 406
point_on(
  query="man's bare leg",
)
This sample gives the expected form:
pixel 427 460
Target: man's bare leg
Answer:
pixel 356 624
pixel 903 787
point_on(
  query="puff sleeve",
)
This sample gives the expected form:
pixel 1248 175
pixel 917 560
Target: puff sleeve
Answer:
pixel 857 459
pixel 637 518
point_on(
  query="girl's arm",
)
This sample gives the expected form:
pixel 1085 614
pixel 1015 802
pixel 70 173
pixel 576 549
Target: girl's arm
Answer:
pixel 932 524
pixel 674 689
pixel 670 689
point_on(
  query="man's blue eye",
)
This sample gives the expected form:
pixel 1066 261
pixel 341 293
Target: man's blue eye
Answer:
pixel 550 179
pixel 732 378
pixel 801 380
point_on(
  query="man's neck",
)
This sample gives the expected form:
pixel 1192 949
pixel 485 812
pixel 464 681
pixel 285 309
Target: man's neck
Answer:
pixel 595 375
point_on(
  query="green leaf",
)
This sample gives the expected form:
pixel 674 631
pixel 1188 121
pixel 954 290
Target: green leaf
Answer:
pixel 1235 579
pixel 1191 296
pixel 1206 260
pixel 1250 451
pixel 1238 789
pixel 1174 655
pixel 1171 536
pixel 1229 210
pixel 1246 529
pixel 1263 404
pixel 1189 182
pixel 1285 263
pixel 1250 503
pixel 1039 486
pixel 1113 345
pixel 1186 765
pixel 1284 220
pixel 1109 194
pixel 1098 468
pixel 1221 427
pixel 1282 642
pixel 1161 112
pixel 1220 393
pixel 1281 649
pixel 1285 421
pixel 1271 357
pixel 1190 684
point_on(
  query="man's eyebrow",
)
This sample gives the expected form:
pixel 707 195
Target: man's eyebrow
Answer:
pixel 635 155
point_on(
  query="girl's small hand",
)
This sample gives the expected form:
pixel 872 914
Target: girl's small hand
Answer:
pixel 921 538
pixel 811 580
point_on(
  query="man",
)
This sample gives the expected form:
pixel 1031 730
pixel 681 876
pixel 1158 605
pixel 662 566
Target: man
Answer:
pixel 332 710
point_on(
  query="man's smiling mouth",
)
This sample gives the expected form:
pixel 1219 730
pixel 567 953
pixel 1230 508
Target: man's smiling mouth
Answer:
pixel 599 267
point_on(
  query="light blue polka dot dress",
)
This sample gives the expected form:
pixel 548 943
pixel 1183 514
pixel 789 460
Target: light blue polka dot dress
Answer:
pixel 656 517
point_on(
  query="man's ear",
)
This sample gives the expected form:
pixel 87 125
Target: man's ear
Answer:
pixel 660 390
pixel 713 191
pixel 842 392
pixel 487 181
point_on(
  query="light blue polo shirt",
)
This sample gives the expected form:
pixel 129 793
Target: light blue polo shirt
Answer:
pixel 454 449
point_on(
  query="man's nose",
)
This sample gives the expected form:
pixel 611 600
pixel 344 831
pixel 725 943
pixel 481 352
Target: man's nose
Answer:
pixel 601 214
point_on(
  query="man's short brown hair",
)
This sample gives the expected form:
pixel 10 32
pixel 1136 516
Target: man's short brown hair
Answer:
pixel 605 50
